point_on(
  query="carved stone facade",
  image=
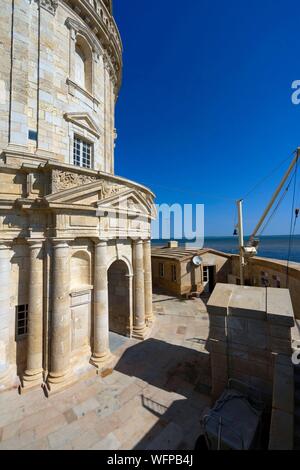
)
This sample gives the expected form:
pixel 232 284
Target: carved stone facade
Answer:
pixel 49 5
pixel 74 238
pixel 66 179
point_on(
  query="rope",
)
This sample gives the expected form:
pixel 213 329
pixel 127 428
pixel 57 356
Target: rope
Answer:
pixel 269 175
pixel 278 204
pixel 293 225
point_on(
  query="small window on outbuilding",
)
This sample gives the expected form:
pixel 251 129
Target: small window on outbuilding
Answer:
pixel 21 320
pixel 174 273
pixel 161 269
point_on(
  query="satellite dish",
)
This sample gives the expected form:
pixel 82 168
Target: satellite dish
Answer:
pixel 197 260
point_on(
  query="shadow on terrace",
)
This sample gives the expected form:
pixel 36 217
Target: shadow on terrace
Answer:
pixel 185 374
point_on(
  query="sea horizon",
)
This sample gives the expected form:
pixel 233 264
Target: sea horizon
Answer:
pixel 271 246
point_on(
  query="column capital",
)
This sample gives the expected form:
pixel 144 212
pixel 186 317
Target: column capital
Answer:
pixel 61 242
pixel 5 244
pixel 35 242
pixel 100 241
pixel 137 240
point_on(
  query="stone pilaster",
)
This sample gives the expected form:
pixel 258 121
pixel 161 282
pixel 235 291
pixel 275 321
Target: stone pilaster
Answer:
pixel 101 352
pixel 34 372
pixel 5 292
pixel 60 345
pixel 18 126
pixel 46 77
pixel 139 324
pixel 148 282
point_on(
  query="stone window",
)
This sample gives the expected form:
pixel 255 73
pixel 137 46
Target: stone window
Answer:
pixel 161 269
pixel 21 320
pixel 205 273
pixel 83 64
pixel 32 135
pixel 174 272
pixel 82 153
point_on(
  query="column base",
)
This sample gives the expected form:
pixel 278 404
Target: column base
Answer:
pixel 101 361
pixel 31 380
pixel 150 320
pixel 141 333
pixel 52 388
pixel 57 382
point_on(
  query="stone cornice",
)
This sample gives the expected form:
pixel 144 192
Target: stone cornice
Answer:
pixel 35 162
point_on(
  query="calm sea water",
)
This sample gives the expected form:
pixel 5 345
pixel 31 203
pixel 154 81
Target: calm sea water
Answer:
pixel 276 247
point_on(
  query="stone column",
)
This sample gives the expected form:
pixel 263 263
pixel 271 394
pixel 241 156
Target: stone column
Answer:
pixel 34 371
pixel 5 292
pixel 60 341
pixel 148 282
pixel 101 352
pixel 139 325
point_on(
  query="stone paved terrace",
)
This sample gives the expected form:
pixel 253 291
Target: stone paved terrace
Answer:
pixel 153 399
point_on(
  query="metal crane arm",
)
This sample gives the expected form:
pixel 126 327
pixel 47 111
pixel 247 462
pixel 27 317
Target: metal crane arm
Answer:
pixel 275 195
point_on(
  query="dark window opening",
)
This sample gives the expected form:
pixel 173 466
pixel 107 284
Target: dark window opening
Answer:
pixel 174 273
pixel 21 320
pixel 161 270
pixel 32 135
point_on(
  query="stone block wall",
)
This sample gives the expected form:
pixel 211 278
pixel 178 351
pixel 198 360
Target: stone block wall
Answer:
pixel 249 328
pixel 282 420
pixel 42 106
pixel 276 274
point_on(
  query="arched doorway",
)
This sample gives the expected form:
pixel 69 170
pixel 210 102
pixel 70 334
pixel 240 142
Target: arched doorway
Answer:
pixel 118 298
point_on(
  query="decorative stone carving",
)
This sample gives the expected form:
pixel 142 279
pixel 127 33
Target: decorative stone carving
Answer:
pixel 49 5
pixel 111 66
pixel 62 180
pixel 108 189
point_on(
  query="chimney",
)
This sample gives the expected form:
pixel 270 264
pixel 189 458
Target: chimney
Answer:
pixel 173 244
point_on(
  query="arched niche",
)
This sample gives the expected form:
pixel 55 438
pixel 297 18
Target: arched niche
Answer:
pixel 80 270
pixel 83 63
pixel 119 298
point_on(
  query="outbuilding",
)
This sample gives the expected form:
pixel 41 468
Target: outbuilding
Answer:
pixel 186 271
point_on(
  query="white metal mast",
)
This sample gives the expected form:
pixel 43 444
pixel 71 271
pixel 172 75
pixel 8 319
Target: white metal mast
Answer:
pixel 274 197
pixel 241 239
pixel 250 249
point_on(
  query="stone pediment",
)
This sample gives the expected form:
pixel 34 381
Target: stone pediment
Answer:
pixel 85 191
pixel 85 121
pixel 132 202
pixel 108 196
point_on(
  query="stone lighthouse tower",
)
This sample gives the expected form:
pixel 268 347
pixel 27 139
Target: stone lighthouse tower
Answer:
pixel 75 259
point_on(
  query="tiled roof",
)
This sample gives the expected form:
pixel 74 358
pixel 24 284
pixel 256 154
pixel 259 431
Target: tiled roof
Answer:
pixel 182 254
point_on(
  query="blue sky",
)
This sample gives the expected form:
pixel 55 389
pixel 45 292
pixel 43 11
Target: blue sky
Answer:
pixel 205 108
